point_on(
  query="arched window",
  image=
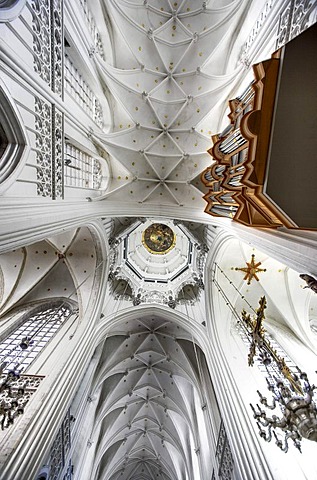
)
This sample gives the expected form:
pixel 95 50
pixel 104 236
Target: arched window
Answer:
pixel 12 140
pixel 10 9
pixel 19 349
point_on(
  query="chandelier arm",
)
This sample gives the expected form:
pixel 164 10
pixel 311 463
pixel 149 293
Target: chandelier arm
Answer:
pixel 264 402
pixel 265 434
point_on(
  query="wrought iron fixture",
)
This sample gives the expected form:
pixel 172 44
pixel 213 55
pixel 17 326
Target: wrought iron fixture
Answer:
pixel 292 393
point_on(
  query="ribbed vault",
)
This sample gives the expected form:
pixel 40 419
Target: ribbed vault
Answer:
pixel 151 420
pixel 290 305
pixel 30 274
pixel 170 73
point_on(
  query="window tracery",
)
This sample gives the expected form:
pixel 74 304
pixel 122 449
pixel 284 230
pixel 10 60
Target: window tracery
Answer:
pixel 81 170
pixel 18 350
pixel 24 344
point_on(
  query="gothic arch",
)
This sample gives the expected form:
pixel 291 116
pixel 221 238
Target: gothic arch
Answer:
pixel 13 142
pixel 173 388
pixel 63 362
pixel 11 9
pixel 31 331
pixel 231 289
pixel 228 295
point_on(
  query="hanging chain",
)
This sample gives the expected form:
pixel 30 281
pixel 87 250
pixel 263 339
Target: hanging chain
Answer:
pixel 231 283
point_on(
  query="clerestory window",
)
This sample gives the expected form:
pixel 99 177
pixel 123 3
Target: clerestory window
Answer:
pixel 25 343
pixel 81 170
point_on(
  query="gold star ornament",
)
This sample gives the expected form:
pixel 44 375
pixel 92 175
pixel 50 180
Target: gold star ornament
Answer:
pixel 251 270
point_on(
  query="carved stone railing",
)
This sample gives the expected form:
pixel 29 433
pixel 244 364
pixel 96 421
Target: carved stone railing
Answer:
pixel 96 37
pixel 48 45
pixel 69 472
pixel 296 17
pixel 49 154
pixel 254 34
pixel 48 41
pixel 60 449
pixel 224 455
pixel 58 465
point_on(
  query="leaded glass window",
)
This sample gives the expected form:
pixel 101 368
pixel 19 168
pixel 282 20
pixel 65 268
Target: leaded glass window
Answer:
pixel 24 344
pixel 82 93
pixel 81 170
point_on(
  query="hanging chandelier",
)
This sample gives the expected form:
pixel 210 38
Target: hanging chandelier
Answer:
pixel 292 395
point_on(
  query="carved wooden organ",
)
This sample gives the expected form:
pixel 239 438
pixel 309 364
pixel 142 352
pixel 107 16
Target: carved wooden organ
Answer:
pixel 236 180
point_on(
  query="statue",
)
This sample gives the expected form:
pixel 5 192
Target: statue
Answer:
pixel 311 281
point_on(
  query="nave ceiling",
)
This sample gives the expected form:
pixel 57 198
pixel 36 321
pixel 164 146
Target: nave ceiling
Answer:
pixel 151 417
pixel 154 414
pixel 172 71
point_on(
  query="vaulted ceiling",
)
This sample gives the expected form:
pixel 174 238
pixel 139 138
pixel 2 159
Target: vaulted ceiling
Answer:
pixel 149 422
pixel 173 66
pixel 62 266
pixel 169 78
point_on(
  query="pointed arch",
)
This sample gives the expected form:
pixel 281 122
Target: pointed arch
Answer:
pixel 11 9
pixel 31 333
pixel 13 143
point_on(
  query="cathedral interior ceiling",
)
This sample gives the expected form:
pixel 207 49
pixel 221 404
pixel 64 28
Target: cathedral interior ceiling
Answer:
pixel 60 266
pixel 290 305
pixel 146 420
pixel 157 258
pixel 169 77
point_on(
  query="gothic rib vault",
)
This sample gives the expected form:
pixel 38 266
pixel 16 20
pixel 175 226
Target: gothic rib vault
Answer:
pixel 166 85
pixel 149 411
pixel 150 404
pixel 170 75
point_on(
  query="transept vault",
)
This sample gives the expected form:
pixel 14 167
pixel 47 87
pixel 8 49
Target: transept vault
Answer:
pixel 123 353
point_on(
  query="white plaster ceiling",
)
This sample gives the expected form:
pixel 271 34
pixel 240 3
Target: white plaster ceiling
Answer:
pixel 289 304
pixel 170 72
pixel 162 270
pixel 157 266
pixel 169 76
pixel 60 266
pixel 149 421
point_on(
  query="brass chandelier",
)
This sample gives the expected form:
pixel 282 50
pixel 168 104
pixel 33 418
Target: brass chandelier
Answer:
pixel 292 395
